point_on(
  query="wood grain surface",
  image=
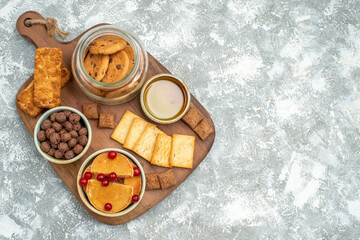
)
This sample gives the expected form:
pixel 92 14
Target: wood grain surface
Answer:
pixel 73 96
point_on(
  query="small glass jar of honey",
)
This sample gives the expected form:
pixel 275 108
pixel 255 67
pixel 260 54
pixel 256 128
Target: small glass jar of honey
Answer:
pixel 165 98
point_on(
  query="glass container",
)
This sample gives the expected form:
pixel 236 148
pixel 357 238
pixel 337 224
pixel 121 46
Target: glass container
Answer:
pixel 116 92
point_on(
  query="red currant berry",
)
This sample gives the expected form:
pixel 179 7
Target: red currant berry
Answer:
pixel 112 154
pixel 100 177
pixel 112 176
pixel 105 182
pixel 137 171
pixel 135 198
pixel 83 181
pixel 88 175
pixel 108 207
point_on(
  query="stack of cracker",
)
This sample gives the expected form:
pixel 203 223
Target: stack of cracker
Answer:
pixel 50 75
pixel 152 144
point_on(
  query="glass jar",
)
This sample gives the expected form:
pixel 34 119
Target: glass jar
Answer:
pixel 110 93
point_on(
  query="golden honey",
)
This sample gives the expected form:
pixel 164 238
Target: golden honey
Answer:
pixel 165 98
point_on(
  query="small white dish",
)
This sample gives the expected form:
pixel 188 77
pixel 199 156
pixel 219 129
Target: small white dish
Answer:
pixel 83 196
pixel 45 116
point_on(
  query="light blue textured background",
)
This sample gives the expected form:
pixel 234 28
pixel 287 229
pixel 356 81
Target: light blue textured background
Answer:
pixel 281 81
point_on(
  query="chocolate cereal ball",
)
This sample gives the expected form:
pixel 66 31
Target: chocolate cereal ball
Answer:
pixel 77 126
pixel 83 131
pixel 74 118
pixel 41 136
pixel 52 117
pixel 63 147
pixel 65 137
pixel 77 149
pixel 55 146
pixel 72 142
pixel 48 132
pixel 68 126
pixel 51 152
pixel 82 140
pixel 67 113
pixel 60 117
pixel 74 134
pixel 57 126
pixel 62 131
pixel 45 147
pixel 69 154
pixel 58 154
pixel 55 138
pixel 45 124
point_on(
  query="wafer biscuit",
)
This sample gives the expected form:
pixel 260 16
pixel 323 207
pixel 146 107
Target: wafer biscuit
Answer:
pixel 152 181
pixel 203 129
pixel 106 120
pixel 25 101
pixel 65 75
pixel 90 110
pixel 192 117
pixel 167 179
pixel 47 77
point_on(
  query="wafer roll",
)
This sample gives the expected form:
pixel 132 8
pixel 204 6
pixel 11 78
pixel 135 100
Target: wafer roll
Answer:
pixel 47 77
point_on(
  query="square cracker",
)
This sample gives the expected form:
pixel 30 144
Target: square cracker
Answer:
pixel 122 129
pixel 25 101
pixel 161 155
pixel 203 129
pixel 192 117
pixel 152 181
pixel 136 129
pixel 144 147
pixel 47 77
pixel 167 179
pixel 182 151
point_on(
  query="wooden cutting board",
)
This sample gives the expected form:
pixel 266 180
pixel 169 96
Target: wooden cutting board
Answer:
pixel 72 96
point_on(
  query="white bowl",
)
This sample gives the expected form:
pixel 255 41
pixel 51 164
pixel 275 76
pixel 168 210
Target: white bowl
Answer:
pixel 83 196
pixel 46 116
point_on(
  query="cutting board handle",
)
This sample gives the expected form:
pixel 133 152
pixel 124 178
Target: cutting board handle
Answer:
pixel 37 34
